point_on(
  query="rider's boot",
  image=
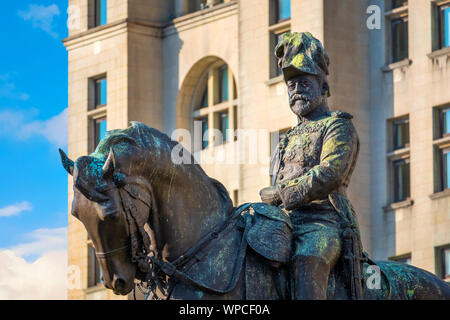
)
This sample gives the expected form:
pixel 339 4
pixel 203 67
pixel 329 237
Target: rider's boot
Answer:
pixel 309 278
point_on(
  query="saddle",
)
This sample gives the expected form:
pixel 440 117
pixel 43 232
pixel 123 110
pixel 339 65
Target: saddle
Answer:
pixel 264 228
pixel 270 233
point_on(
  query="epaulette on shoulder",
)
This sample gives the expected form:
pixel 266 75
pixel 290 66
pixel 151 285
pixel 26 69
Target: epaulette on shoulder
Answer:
pixel 341 114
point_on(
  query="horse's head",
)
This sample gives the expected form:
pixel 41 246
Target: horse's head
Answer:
pixel 100 184
pixel 129 182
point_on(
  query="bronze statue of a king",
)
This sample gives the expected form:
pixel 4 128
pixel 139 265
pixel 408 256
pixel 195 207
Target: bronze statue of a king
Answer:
pixel 311 170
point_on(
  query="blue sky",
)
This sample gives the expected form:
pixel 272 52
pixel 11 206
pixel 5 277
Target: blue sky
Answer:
pixel 33 124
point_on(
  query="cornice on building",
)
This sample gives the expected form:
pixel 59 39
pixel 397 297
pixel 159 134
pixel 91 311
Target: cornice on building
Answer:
pixel 157 30
pixel 112 29
pixel 201 17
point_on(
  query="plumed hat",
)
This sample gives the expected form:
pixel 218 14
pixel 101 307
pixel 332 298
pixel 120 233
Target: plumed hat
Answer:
pixel 300 53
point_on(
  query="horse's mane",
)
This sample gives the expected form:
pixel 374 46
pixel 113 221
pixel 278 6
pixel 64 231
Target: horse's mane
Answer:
pixel 137 133
pixel 148 138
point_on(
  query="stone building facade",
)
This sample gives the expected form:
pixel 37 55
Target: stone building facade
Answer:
pixel 202 64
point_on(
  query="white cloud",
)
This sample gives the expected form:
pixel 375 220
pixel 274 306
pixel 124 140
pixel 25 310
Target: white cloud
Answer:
pixel 9 90
pixel 15 209
pixel 41 17
pixel 17 124
pixel 42 241
pixel 43 278
pixel 53 129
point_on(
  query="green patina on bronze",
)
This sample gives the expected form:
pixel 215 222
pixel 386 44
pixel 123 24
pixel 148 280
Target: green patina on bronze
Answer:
pixel 301 52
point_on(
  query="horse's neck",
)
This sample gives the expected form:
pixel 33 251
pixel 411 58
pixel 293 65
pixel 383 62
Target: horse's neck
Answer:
pixel 186 213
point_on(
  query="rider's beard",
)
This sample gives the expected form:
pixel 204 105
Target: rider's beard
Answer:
pixel 302 105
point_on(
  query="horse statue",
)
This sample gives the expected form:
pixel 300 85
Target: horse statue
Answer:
pixel 172 228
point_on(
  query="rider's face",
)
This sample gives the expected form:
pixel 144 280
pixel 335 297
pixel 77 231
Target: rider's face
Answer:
pixel 305 93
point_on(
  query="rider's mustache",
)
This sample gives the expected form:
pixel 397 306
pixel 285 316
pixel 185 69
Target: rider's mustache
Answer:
pixel 298 96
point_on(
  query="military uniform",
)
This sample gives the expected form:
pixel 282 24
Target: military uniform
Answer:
pixel 311 170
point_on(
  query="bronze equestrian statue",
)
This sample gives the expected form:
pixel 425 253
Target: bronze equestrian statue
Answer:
pixel 311 171
pixel 175 230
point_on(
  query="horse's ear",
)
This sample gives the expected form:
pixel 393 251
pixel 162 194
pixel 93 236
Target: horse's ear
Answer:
pixel 110 164
pixel 66 162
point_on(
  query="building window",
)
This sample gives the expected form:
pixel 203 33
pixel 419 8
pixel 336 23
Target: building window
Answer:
pixel 279 23
pixel 97 104
pixel 280 10
pixel 399 39
pixel 401 134
pixel 224 125
pixel 204 101
pixel 441 148
pixel 275 36
pixel 94 270
pixel 398 36
pixel 223 84
pixel 444 159
pixel 443 262
pixel 399 159
pixel 446 263
pixel 100 92
pixel 406 258
pixel 215 105
pixel 97 92
pixel 100 12
pixel 398 3
pixel 444 121
pixel 401 180
pixel 443 24
pixel 204 129
pixel 99 130
pixel 283 10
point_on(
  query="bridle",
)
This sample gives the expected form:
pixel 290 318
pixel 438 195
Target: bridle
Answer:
pixel 104 255
pixel 149 279
pixel 154 273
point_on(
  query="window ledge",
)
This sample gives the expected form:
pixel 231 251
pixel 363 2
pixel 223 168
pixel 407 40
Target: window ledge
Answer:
pixel 397 11
pixel 398 153
pixel 439 53
pixel 405 63
pixel 274 80
pixel 398 205
pixel 440 194
pixel 97 112
pixel 441 141
pixel 280 25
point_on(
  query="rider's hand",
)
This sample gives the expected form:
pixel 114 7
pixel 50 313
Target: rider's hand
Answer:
pixel 270 196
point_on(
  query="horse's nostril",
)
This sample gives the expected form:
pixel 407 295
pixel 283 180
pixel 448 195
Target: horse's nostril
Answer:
pixel 119 284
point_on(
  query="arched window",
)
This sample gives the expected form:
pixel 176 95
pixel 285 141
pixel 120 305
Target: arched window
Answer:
pixel 214 106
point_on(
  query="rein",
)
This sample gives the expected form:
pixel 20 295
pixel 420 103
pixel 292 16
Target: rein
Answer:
pixel 157 273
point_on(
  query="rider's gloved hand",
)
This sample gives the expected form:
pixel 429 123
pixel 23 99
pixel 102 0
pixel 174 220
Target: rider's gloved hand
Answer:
pixel 270 196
